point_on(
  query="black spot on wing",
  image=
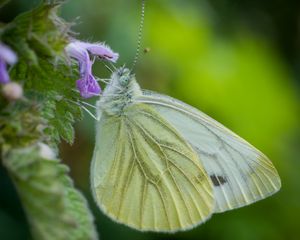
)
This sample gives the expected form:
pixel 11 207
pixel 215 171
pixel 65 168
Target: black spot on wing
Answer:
pixel 218 180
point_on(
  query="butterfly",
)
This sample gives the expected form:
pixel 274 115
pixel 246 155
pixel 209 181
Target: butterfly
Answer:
pixel 162 165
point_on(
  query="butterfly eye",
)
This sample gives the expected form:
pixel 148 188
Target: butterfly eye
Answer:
pixel 124 80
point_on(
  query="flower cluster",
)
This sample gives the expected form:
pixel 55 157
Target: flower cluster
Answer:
pixel 7 57
pixel 81 51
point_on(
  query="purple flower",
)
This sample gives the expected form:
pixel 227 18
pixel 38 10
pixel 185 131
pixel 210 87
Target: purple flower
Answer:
pixel 99 49
pixel 88 86
pixel 7 56
pixel 81 51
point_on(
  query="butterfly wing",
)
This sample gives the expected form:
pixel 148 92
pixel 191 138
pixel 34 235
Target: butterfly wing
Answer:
pixel 145 175
pixel 240 173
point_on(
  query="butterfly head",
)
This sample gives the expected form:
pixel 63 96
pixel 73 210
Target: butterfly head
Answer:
pixel 124 76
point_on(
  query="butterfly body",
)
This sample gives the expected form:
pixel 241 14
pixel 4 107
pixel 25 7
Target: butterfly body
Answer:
pixel 119 92
pixel 161 165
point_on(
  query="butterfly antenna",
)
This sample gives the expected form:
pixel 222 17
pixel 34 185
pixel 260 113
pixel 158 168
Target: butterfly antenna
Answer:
pixel 140 34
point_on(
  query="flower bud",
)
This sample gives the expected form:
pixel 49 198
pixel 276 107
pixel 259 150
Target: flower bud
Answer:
pixel 12 91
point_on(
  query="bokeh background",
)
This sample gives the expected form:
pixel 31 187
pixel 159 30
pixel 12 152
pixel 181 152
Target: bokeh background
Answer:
pixel 238 61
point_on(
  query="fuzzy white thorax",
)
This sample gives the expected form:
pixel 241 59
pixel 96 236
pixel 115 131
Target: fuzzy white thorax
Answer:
pixel 119 92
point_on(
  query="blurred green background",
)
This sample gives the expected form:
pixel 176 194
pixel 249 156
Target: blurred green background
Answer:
pixel 238 61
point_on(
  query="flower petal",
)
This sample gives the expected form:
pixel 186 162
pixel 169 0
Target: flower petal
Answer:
pixel 100 50
pixel 7 55
pixel 4 77
pixel 88 86
pixel 76 51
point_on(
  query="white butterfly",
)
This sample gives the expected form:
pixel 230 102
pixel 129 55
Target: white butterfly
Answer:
pixel 162 165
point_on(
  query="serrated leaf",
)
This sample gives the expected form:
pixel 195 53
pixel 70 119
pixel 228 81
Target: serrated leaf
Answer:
pixel 39 30
pixel 54 208
pixel 39 38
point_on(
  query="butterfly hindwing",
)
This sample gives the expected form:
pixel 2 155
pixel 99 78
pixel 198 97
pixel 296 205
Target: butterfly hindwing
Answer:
pixel 239 172
pixel 146 175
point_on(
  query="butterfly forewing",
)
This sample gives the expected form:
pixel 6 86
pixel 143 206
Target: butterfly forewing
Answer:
pixel 146 175
pixel 240 173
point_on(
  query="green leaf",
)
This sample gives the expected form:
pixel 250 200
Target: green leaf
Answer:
pixel 3 2
pixel 54 208
pixel 39 38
